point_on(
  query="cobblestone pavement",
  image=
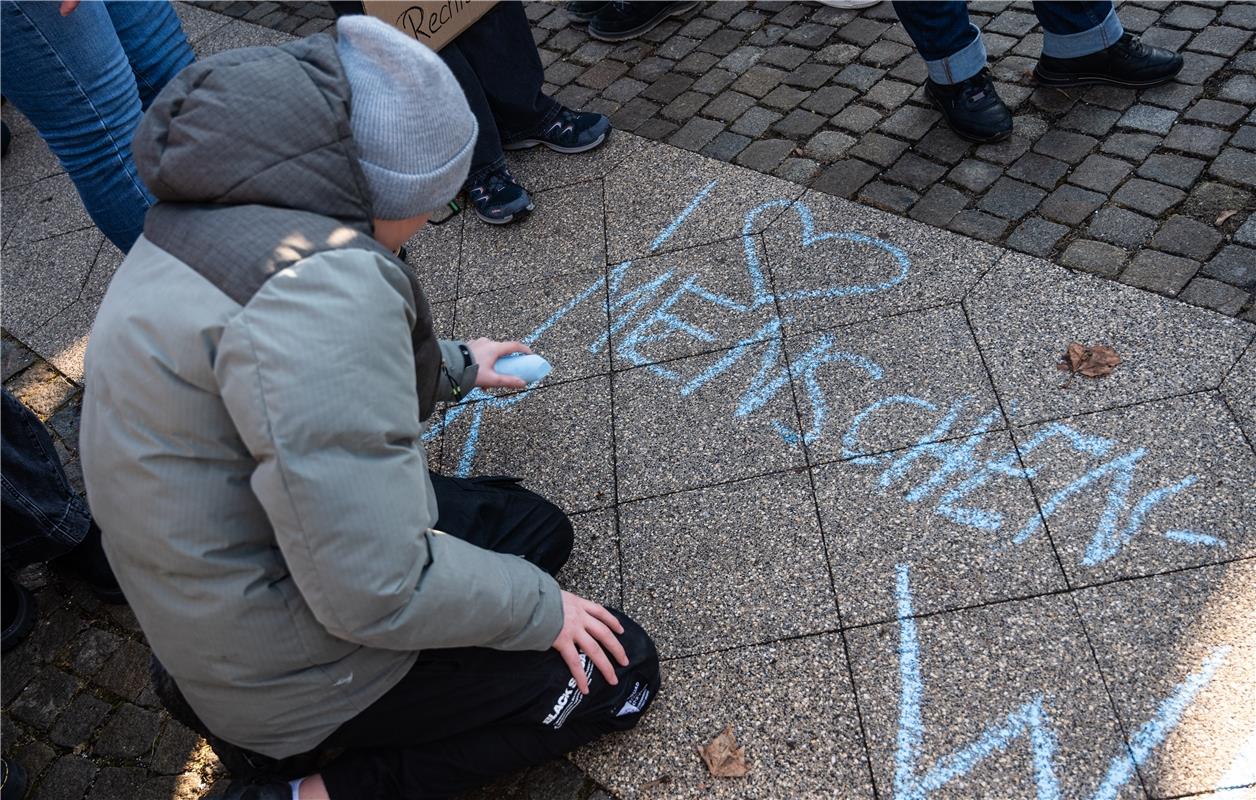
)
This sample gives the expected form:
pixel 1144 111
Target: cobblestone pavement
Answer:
pixel 893 546
pixel 1154 188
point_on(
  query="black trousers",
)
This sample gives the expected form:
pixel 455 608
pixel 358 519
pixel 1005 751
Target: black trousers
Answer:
pixel 464 716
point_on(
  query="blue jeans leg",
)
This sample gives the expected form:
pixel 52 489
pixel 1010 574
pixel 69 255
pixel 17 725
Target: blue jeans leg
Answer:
pixel 1075 29
pixel 73 79
pixel 40 515
pixel 950 45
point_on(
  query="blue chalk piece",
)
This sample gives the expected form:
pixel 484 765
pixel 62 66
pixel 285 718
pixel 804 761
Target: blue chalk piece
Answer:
pixel 530 367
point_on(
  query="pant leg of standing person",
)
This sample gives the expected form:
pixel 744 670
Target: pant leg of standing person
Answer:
pixel 154 42
pixel 945 38
pixel 487 156
pixel 71 78
pixel 500 50
pixel 1076 29
pixel 464 716
pixel 40 515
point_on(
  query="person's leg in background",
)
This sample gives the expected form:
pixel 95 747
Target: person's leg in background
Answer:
pixel 955 57
pixel 41 518
pixel 154 42
pixel 1084 42
pixel 72 78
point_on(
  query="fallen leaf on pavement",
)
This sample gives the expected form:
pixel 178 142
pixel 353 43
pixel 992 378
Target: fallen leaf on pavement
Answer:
pixel 1095 361
pixel 723 757
pixel 1224 215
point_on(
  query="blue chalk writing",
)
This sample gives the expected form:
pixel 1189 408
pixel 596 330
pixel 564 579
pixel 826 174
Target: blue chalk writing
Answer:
pixel 1031 720
pixel 675 224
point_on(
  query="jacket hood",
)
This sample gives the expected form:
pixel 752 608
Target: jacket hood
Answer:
pixel 259 125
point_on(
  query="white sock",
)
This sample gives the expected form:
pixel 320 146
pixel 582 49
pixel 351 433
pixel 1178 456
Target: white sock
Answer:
pixel 296 788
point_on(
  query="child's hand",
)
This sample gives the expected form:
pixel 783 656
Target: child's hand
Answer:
pixel 486 352
pixel 590 629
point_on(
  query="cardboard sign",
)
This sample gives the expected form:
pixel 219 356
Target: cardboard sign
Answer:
pixel 435 23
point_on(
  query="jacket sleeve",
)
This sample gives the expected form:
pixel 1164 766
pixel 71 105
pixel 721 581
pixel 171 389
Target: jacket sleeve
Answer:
pixel 318 375
pixel 457 378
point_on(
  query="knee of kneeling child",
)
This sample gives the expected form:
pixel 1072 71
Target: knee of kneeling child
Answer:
pixel 639 682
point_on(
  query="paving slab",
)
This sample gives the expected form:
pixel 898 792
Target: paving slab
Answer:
pixel 540 168
pixel 704 420
pixel 107 262
pixel 1144 489
pixel 756 690
pixel 686 302
pixel 1001 701
pixel 237 34
pixel 1026 311
pixel 890 383
pixel 722 546
pixel 29 159
pixel 563 235
pixel 670 199
pixel 834 262
pixel 1240 393
pixel 44 209
pixel 557 438
pixel 434 254
pixel 562 318
pixel 197 23
pixel 1178 652
pixel 33 296
pixel 593 571
pixel 62 340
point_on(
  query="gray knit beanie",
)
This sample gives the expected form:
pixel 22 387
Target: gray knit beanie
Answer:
pixel 411 122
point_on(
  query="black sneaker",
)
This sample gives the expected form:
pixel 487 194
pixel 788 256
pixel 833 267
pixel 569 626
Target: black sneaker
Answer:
pixel 1129 62
pixel 627 19
pixel 570 132
pixel 270 790
pixel 19 614
pixel 89 563
pixel 498 199
pixel 972 108
pixel 12 780
pixel 581 13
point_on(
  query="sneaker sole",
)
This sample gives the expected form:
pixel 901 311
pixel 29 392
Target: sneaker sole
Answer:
pixel 1061 80
pixel 645 28
pixel 527 144
pixel 517 216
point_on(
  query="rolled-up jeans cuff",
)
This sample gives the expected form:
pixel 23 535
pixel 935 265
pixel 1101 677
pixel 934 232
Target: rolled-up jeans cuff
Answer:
pixel 962 65
pixel 1083 43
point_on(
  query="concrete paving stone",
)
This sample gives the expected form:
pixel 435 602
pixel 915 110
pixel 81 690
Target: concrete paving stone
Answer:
pixel 1215 295
pixel 844 178
pixel 857 119
pixel 647 195
pixel 114 782
pixel 1178 171
pixel 1199 68
pixel 1239 390
pixel 42 389
pixel 1236 166
pixel 1088 119
pixel 29 159
pixel 624 89
pixel 1026 331
pixel 593 570
pixel 915 172
pixel 130 732
pixel 790 705
pixel 759 80
pixel 44 698
pixel 78 722
pixel 721 545
pixel 879 149
pixel 1011 199
pixel 1150 637
pixel 235 34
pixel 741 59
pixel 726 146
pixel 1245 138
pixel 197 23
pixel 1184 236
pixel 1116 98
pixel 1220 40
pixel 1036 236
pixel 17 357
pixel 798 124
pixel 1120 227
pixel 888 197
pixel 938 205
pixel 602 74
pixel 52 633
pixel 1193 17
pixel 652 68
pixel 828 146
pixel 697 132
pixel 1020 670
pixel 126 672
pixel 1030 127
pixel 1039 170
pixel 1100 173
pixel 697 63
pixel 666 88
pixel 174 749
pixel 1216 112
pixel 516 314
pixel 34 756
pixel 1148 197
pixel 974 175
pixel 859 77
pixel 574 96
pixel 910 122
pixel 1159 272
pixel 107 262
pixel 714 81
pixel 810 76
pixel 979 225
pixel 876 264
pixel 433 254
pixel 766 154
pixel 574 418
pixel 63 339
pixel 1004 152
pixel 884 54
pixel 810 35
pixel 1210 199
pixel 1246 234
pixel 67 779
pixel 45 209
pixel 92 649
pixel 633 114
pixel 912 69
pixel 1239 15
pixel 727 422
pixel 564 235
pixel 1172 485
pixel 1234 264
pixel 677 47
pixel 892 357
pixel 1135 146
pixel 1173 95
pixel 797 170
pixel 889 94
pixel 784 98
pixel 754 122
pixel 786 57
pixel 1066 146
pixel 1167 38
pixel 685 303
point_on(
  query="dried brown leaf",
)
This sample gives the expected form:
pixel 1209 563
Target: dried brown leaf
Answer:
pixel 1095 361
pixel 1224 215
pixel 723 757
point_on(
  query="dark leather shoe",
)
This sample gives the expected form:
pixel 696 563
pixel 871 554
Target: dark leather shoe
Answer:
pixel 628 19
pixel 581 13
pixel 1129 62
pixel 973 108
